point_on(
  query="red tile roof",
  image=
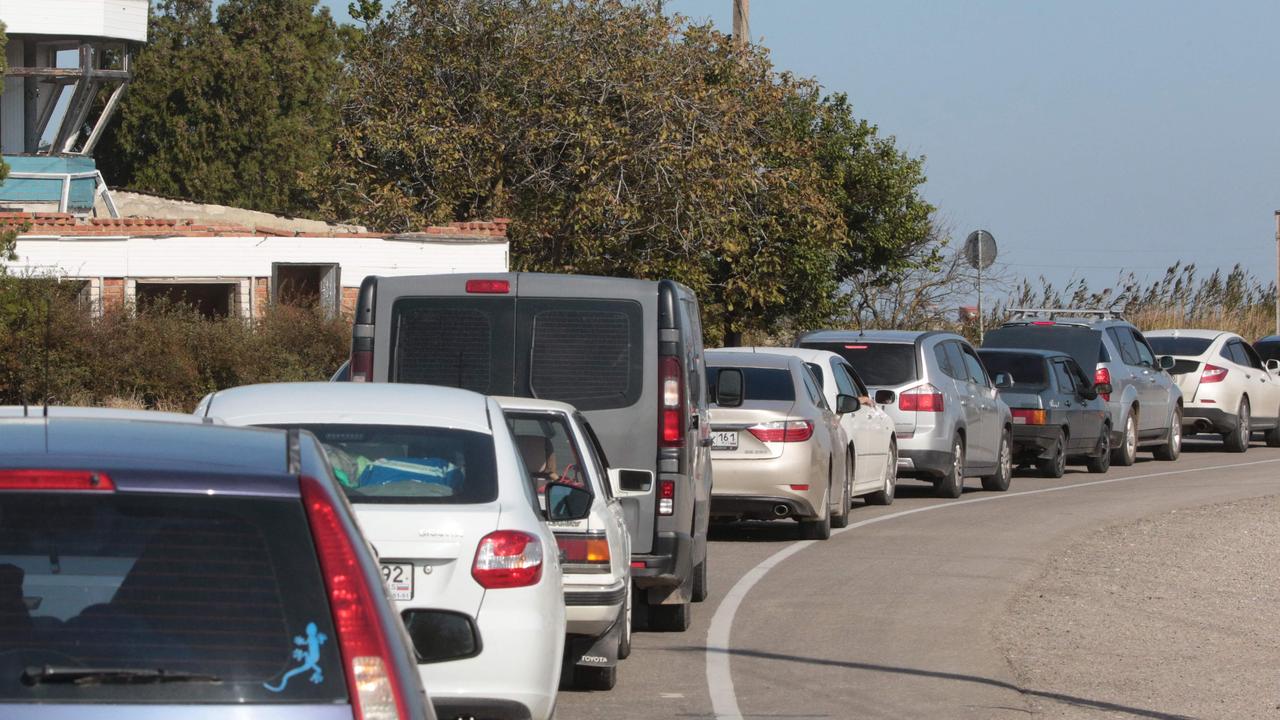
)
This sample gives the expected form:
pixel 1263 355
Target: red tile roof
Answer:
pixel 66 225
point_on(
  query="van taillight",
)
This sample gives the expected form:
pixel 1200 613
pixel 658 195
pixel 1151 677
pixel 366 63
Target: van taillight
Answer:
pixel 366 650
pixel 671 387
pixel 1100 376
pixel 55 480
pixel 489 287
pixel 507 559
pixel 926 398
pixel 667 497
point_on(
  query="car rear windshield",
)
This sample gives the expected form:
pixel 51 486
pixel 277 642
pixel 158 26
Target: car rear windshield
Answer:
pixel 759 384
pixel 878 364
pixel 1269 350
pixel 1187 346
pixel 409 464
pixel 1027 371
pixel 127 584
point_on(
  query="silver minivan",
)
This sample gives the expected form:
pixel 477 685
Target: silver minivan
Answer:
pixel 948 417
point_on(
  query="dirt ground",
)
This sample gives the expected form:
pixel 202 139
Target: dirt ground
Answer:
pixel 1173 616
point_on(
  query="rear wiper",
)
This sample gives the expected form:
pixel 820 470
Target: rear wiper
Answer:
pixel 90 675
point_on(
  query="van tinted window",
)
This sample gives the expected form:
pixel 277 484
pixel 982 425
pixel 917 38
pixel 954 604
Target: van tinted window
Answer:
pixel 877 363
pixel 409 464
pixel 759 384
pixel 464 343
pixel 586 352
pixel 217 586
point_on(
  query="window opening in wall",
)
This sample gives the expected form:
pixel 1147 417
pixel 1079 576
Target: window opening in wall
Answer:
pixel 212 300
pixel 306 285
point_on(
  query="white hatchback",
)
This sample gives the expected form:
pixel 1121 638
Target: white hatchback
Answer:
pixel 439 490
pixel 558 444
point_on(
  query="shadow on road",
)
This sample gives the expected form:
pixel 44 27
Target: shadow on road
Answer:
pixel 871 667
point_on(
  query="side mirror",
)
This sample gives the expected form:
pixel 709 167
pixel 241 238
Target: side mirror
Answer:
pixel 1102 388
pixel 729 387
pixel 1165 362
pixel 1003 380
pixel 1272 365
pixel 846 404
pixel 885 397
pixel 566 502
pixel 630 481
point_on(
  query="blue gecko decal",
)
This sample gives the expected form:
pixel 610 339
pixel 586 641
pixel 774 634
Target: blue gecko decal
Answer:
pixel 310 657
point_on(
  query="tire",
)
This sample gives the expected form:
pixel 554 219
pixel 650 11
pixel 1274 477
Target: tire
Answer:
pixel 846 496
pixel 1127 453
pixel 885 496
pixel 1273 435
pixel 624 643
pixel 595 678
pixel 700 581
pixel 1056 465
pixel 999 482
pixel 1101 462
pixel 669 618
pixel 1172 449
pixel 1237 441
pixel 952 484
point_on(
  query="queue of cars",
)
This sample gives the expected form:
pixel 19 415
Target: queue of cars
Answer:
pixel 510 474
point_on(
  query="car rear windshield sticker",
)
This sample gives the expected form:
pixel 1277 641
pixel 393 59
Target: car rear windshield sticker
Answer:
pixel 308 651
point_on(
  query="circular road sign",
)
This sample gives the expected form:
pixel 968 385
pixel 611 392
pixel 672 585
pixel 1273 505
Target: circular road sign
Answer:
pixel 980 249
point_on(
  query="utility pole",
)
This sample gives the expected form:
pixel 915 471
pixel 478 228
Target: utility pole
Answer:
pixel 1278 272
pixel 741 23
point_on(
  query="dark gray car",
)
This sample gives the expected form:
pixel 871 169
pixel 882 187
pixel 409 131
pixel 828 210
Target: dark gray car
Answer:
pixel 1058 416
pixel 156 570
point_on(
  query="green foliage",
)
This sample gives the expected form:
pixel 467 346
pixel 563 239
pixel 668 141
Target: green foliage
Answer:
pixel 235 110
pixel 621 141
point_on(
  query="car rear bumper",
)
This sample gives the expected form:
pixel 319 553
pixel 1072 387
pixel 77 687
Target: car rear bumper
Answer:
pixel 760 507
pixel 490 709
pixel 1034 442
pixel 927 463
pixel 593 609
pixel 670 562
pixel 1200 419
pixel 789 478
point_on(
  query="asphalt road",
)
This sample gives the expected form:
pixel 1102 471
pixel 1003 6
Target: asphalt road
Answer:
pixel 894 617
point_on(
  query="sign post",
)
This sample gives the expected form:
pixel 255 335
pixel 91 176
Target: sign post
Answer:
pixel 980 251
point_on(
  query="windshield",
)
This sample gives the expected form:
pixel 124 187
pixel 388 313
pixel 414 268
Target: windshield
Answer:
pixel 1027 371
pixel 404 463
pixel 213 586
pixel 878 364
pixel 1190 346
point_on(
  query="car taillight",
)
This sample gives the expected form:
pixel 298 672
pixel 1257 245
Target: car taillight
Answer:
pixel 366 650
pixel 671 433
pixel 667 497
pixel 361 365
pixel 1100 376
pixel 1043 323
pixel 489 287
pixel 1213 374
pixel 782 431
pixel 584 550
pixel 926 398
pixel 507 559
pixel 26 479
pixel 1027 417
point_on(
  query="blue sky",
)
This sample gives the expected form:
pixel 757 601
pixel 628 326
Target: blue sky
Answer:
pixel 1086 135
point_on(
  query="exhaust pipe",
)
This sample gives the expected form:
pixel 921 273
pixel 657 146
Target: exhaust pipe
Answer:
pixel 781 510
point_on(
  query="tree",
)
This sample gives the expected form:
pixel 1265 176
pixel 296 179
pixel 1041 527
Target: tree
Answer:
pixel 236 110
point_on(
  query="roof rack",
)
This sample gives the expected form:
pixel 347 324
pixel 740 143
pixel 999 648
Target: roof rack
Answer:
pixel 1051 313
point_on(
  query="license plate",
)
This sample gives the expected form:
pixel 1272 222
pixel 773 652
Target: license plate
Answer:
pixel 399 579
pixel 724 440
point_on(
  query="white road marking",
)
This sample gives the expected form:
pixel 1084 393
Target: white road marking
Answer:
pixel 724 700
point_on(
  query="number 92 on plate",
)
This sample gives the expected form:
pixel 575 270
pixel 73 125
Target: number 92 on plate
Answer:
pixel 399 580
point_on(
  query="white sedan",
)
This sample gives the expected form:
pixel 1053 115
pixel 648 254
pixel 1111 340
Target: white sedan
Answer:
pixel 435 478
pixel 869 430
pixel 557 444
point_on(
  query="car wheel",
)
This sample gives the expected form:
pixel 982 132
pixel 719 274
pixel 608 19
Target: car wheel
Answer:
pixel 595 678
pixel 1101 462
pixel 1172 449
pixel 885 496
pixel 999 482
pixel 624 643
pixel 1237 441
pixel 952 484
pixel 1127 453
pixel 1055 466
pixel 816 529
pixel 841 519
pixel 700 581
pixel 669 618
pixel 1273 435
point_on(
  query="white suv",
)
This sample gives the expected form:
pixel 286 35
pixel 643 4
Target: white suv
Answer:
pixel 1227 388
pixel 441 493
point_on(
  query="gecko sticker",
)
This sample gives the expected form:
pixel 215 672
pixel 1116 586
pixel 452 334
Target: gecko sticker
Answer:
pixel 308 651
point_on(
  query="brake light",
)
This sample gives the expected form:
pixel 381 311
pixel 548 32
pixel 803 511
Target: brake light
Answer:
pixel 672 410
pixel 855 347
pixel 782 431
pixel 667 497
pixel 1027 417
pixel 926 398
pixel 584 550
pixel 799 488
pixel 637 563
pixel 1213 374
pixel 366 650
pixel 507 559
pixel 1100 376
pixel 489 287
pixel 1043 322
pixel 361 365
pixel 55 480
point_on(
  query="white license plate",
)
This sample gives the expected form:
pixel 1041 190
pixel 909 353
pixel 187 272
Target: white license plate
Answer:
pixel 399 579
pixel 724 440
